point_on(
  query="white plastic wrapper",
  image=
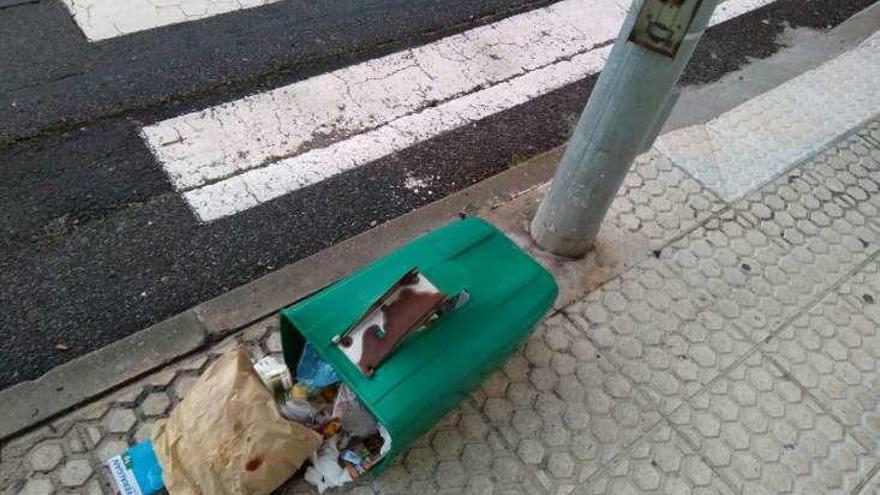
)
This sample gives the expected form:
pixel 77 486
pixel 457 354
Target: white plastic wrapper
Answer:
pixel 325 471
pixel 356 420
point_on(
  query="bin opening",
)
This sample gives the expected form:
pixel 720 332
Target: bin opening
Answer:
pixel 356 441
pixel 485 297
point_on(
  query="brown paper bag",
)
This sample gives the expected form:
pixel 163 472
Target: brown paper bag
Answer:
pixel 227 435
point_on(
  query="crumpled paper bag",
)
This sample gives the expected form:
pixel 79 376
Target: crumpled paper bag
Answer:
pixel 228 437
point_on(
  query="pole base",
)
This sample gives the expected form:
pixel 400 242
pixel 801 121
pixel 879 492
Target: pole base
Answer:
pixel 548 240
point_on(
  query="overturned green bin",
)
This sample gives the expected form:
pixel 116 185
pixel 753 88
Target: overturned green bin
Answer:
pixel 497 294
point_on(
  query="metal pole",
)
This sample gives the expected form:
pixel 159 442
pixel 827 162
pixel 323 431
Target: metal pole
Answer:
pixel 628 106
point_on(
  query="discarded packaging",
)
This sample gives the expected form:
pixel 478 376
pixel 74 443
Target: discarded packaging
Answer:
pixel 227 436
pixel 361 455
pixel 302 411
pixel 331 428
pixel 353 415
pixel 274 374
pixel 137 471
pixel 313 371
pixel 300 392
pixel 325 471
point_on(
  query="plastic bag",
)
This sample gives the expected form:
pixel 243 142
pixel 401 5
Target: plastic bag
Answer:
pixel 325 471
pixel 355 418
pixel 313 371
pixel 302 411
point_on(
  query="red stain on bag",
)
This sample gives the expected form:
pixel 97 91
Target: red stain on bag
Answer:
pixel 254 464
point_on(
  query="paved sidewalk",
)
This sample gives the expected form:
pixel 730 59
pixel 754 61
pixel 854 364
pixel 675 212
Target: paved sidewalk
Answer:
pixel 705 346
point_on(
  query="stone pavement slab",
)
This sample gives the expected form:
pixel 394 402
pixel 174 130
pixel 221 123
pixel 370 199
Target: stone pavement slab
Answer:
pixel 764 435
pixel 833 351
pixel 667 337
pixel 749 145
pixel 563 408
pixel 661 464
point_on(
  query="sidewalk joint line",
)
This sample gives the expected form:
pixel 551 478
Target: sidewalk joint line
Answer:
pixel 530 470
pixel 874 473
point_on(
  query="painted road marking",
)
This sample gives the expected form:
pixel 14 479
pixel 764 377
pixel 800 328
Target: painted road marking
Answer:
pixel 751 144
pixel 234 156
pixel 105 19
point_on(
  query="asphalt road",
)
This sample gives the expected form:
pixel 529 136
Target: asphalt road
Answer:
pixel 96 242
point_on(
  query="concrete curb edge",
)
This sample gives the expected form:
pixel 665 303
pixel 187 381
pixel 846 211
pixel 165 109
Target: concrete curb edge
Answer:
pixel 93 375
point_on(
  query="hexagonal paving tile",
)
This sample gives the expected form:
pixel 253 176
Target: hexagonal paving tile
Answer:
pixel 155 404
pixel 668 337
pixel 660 464
pixel 37 487
pixel 110 448
pixel 144 432
pixel 781 443
pixel 120 420
pixel 182 384
pixel 273 342
pixel 761 279
pixel 564 409
pixel 75 473
pixel 46 456
pixel 834 352
pixel 791 239
pixel 659 202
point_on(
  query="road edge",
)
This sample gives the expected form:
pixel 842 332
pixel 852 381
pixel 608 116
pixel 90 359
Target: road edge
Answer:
pixel 107 369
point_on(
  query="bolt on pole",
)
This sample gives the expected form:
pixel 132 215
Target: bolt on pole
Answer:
pixel 631 101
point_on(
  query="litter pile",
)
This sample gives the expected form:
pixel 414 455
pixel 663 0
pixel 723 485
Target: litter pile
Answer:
pixel 245 427
pixel 411 334
pixel 353 441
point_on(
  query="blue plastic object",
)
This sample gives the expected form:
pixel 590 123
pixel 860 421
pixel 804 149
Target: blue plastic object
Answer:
pixel 313 371
pixel 137 471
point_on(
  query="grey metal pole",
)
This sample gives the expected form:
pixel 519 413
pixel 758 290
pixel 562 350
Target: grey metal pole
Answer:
pixel 628 106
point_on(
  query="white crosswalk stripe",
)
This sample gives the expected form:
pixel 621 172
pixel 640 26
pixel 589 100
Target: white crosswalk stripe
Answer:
pixel 105 19
pixel 231 157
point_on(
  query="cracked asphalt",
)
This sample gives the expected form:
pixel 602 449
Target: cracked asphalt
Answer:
pixel 96 242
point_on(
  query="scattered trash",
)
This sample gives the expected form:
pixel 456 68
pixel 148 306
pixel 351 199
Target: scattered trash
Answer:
pixel 274 375
pixel 325 471
pixel 353 415
pixel 62 347
pixel 302 411
pixel 246 427
pixel 332 428
pixel 314 372
pixel 228 436
pixel 137 471
pixel 361 455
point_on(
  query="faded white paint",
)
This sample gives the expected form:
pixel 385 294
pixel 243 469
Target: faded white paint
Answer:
pixel 263 128
pixel 236 155
pixel 758 140
pixel 105 19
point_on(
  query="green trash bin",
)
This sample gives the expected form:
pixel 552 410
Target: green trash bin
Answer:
pixel 432 370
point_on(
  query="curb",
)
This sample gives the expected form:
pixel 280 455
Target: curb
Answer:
pixel 109 368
